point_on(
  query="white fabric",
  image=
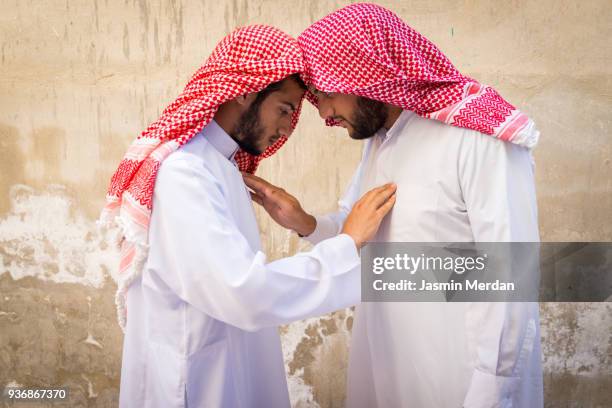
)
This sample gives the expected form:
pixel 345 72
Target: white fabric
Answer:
pixel 201 329
pixel 453 185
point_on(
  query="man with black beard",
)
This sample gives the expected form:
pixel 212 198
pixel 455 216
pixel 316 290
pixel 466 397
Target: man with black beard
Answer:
pixel 203 303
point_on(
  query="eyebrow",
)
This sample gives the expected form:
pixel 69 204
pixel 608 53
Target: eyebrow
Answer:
pixel 288 103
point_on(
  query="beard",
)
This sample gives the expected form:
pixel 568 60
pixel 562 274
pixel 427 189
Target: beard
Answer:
pixel 369 117
pixel 248 132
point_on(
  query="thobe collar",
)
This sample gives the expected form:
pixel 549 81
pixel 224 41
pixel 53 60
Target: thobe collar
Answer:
pixel 397 128
pixel 220 140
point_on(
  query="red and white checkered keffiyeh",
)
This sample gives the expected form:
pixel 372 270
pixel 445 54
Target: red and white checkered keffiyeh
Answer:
pixel 366 50
pixel 246 61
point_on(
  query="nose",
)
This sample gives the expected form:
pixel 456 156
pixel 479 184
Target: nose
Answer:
pixel 285 127
pixel 325 109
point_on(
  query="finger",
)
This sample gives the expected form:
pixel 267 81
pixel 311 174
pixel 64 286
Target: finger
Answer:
pixel 256 198
pixel 256 183
pixel 252 178
pixel 383 187
pixel 370 195
pixel 381 196
pixel 386 207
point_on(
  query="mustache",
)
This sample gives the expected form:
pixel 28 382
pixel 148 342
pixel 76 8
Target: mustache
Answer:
pixel 343 119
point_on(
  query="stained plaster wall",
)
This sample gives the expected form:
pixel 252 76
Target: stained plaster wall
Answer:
pixel 79 79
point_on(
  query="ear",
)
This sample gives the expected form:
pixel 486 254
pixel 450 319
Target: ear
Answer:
pixel 246 99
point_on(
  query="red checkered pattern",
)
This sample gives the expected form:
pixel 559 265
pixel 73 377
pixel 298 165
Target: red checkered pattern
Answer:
pixel 367 50
pixel 246 61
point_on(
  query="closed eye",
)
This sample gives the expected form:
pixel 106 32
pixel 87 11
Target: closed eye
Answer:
pixel 318 93
pixel 286 108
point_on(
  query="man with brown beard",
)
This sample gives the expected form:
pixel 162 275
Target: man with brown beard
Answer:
pixel 459 154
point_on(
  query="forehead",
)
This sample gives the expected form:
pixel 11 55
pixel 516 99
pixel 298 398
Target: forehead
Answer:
pixel 290 85
pixel 336 97
pixel 289 89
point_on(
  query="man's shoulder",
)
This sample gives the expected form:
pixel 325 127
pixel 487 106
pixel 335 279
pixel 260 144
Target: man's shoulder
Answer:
pixel 474 138
pixel 197 153
pixel 192 160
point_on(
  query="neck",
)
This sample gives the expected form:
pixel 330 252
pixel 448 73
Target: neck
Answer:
pixel 226 119
pixel 393 112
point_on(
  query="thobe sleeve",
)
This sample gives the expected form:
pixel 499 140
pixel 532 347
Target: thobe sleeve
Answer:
pixel 330 225
pixel 209 263
pixel 497 183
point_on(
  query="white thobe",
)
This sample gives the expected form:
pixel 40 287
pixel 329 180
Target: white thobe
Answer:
pixel 201 327
pixel 454 185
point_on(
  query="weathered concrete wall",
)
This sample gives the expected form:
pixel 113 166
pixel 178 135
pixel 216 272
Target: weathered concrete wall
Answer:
pixel 80 79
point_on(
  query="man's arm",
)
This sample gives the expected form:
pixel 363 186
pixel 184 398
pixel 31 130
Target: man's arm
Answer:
pixel 497 182
pixel 201 255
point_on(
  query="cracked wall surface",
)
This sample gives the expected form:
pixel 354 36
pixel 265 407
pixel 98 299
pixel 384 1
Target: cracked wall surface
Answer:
pixel 80 79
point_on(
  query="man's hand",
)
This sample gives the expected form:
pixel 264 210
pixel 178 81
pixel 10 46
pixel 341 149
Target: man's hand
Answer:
pixel 284 208
pixel 364 219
